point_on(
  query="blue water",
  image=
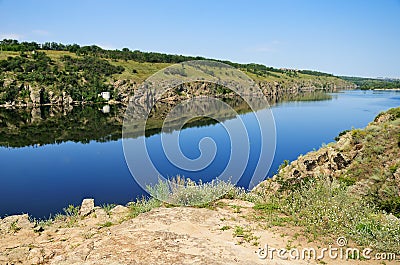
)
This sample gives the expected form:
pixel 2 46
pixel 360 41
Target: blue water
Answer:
pixel 43 180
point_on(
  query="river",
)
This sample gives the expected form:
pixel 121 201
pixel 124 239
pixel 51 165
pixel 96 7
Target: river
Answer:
pixel 54 161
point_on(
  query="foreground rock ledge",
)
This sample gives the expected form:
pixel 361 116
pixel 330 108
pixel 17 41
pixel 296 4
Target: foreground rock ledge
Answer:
pixel 180 235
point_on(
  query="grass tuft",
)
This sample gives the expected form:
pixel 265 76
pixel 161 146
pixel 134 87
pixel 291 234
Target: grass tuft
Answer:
pixel 186 192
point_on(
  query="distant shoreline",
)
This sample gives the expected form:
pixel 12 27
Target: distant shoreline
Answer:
pixel 387 89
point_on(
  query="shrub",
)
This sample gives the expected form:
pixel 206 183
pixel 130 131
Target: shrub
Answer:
pixel 181 191
pixel 340 134
pixel 71 210
pixel 142 205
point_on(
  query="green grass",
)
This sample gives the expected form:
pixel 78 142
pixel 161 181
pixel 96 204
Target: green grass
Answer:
pixel 71 215
pixel 14 227
pixel 106 224
pixel 108 207
pixel 225 227
pixel 325 208
pixel 71 210
pixel 247 235
pixel 142 205
pixel 137 71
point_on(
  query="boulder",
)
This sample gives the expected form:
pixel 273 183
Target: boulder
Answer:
pixel 87 207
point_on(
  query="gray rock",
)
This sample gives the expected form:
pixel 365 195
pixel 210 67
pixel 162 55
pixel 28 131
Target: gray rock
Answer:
pixel 87 207
pixel 38 229
pixel 15 223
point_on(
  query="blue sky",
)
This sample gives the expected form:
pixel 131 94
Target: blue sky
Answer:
pixel 344 37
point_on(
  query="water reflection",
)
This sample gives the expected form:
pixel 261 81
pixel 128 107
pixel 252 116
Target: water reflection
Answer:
pixel 22 127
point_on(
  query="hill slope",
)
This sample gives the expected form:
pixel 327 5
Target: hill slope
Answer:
pixel 33 74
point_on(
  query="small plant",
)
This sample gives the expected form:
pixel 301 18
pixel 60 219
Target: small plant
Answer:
pixel 142 205
pixel 393 168
pixel 267 207
pixel 236 209
pixel 337 138
pixel 71 210
pixel 358 135
pixel 225 227
pixel 44 222
pixel 106 224
pixel 88 235
pixel 72 213
pixel 347 180
pixel 283 165
pixel 107 208
pixel 378 149
pixel 59 217
pixel 289 244
pixel 14 226
pixel 238 232
pixel 246 234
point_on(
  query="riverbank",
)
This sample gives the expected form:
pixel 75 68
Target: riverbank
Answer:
pixel 66 78
pixel 360 173
pixel 224 234
pixel 387 89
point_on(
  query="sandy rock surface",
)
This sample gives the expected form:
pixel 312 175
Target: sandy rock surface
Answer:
pixel 179 235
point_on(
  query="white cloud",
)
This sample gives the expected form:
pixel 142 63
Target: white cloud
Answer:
pixel 40 32
pixel 272 46
pixel 13 36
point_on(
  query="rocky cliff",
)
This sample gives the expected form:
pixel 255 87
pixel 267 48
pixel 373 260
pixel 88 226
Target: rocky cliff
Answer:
pixel 366 160
pixel 124 89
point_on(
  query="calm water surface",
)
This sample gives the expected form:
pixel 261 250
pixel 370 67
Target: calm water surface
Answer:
pixel 42 180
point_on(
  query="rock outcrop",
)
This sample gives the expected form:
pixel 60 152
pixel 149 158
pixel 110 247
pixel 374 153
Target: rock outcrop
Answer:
pixel 178 235
pixel 367 160
pixel 87 207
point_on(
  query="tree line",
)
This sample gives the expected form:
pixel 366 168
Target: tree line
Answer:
pixel 373 83
pixel 96 51
pixel 139 56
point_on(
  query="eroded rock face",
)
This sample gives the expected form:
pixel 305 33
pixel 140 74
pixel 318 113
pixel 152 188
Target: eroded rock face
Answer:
pixel 366 161
pixel 34 94
pixel 15 223
pixel 322 159
pixel 340 161
pixel 124 89
pixel 327 161
pixel 330 161
pixel 310 164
